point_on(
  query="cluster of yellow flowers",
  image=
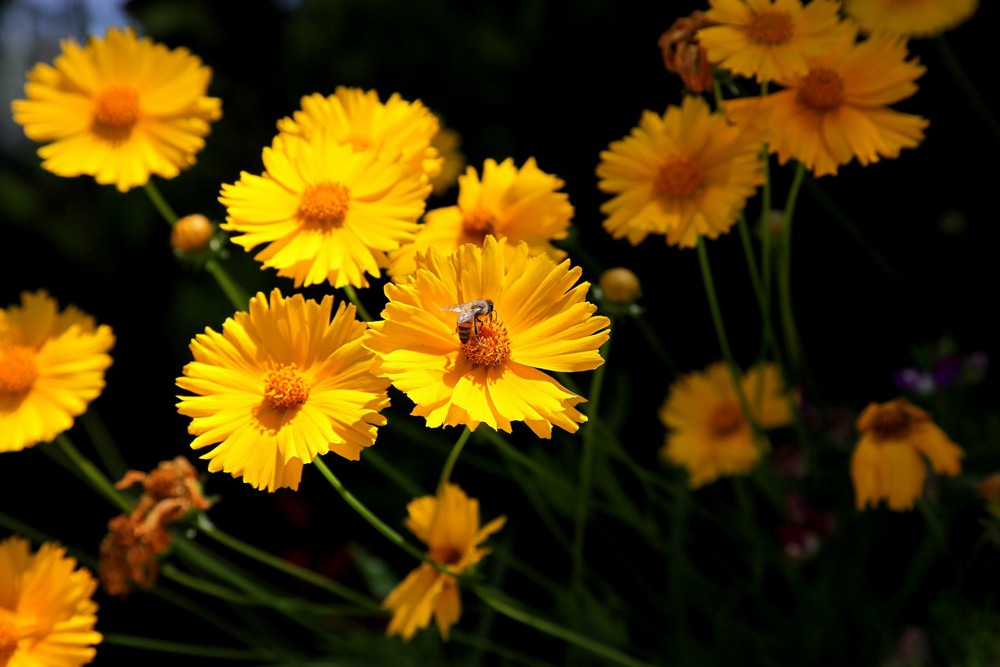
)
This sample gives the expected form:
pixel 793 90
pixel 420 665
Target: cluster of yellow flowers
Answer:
pixel 482 308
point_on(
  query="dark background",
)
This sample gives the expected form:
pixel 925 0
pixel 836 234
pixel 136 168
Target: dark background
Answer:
pixel 908 258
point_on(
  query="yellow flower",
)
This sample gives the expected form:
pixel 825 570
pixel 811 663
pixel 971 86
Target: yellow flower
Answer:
pixel 518 204
pixel 447 142
pixel 119 109
pixel 709 434
pixel 47 614
pixel 401 131
pixel 449 525
pixel 910 18
pixel 539 321
pixel 887 464
pixel 51 367
pixel 326 211
pixel 770 39
pixel 839 110
pixel 279 386
pixel 685 174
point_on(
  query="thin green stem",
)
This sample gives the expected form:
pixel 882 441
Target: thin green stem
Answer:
pixel 969 89
pixel 107 451
pixel 795 355
pixel 652 337
pixel 233 291
pixel 179 648
pixel 352 296
pixel 494 600
pixel 159 202
pixel 399 478
pixel 453 455
pixel 92 474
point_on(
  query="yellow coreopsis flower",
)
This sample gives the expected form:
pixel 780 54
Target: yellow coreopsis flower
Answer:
pixel 326 211
pixel 47 614
pixel 839 110
pixel 400 130
pixel 520 204
pixel 685 174
pixel 52 366
pixel 449 525
pixel 448 143
pixel 709 434
pixel 119 109
pixel 279 386
pixel 770 39
pixel 910 18
pixel 888 461
pixel 492 371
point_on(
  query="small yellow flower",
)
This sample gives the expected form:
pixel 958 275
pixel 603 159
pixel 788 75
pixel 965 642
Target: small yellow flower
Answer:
pixel 281 385
pixel 520 204
pixel 119 109
pixel 839 111
pixel 910 18
pixel 709 434
pixel 540 321
pixel 52 366
pixel 449 525
pixel 685 174
pixel 888 461
pixel 47 614
pixel 770 39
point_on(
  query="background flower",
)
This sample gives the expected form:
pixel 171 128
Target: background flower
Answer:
pixel 279 386
pixel 542 321
pixel 47 614
pixel 52 366
pixel 120 109
pixel 449 525
pixel 912 18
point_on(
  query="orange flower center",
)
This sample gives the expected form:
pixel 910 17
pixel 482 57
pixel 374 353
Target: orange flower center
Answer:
pixel 18 371
pixel 679 178
pixel 117 108
pixel 891 422
pixel 726 420
pixel 284 387
pixel 476 225
pixel 8 635
pixel 773 27
pixel 492 347
pixel 324 204
pixel 446 555
pixel 822 89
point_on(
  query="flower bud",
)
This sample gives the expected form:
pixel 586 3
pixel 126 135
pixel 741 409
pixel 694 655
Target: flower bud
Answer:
pixel 620 286
pixel 191 234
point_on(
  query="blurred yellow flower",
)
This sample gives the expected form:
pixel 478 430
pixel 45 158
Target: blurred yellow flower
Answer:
pixel 838 111
pixel 119 109
pixel 47 614
pixel 279 386
pixel 520 204
pixel 448 144
pixel 708 433
pixel 326 211
pixel 685 174
pixel 449 525
pixel 52 366
pixel 910 18
pixel 540 320
pixel 888 461
pixel 399 130
pixel 770 39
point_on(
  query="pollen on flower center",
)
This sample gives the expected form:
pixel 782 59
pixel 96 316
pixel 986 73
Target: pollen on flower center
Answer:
pixel 891 423
pixel 477 225
pixel 324 204
pixel 773 27
pixel 284 387
pixel 679 178
pixel 726 420
pixel 493 346
pixel 117 108
pixel 18 371
pixel 822 89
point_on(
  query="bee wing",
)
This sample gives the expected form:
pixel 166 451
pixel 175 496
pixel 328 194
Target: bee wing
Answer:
pixel 457 307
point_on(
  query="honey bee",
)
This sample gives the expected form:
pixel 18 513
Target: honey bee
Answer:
pixel 468 317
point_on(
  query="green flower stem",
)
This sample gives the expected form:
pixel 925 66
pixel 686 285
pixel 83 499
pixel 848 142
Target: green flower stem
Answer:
pixel 504 606
pixel 395 475
pixel 107 451
pixel 587 467
pixel 795 356
pixel 969 89
pixel 236 295
pixel 91 474
pixel 453 456
pixel 653 339
pixel 159 202
pixel 207 528
pixel 720 332
pixel 352 296
pixel 178 648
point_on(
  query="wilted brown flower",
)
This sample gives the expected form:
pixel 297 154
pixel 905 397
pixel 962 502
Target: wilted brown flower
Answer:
pixel 683 54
